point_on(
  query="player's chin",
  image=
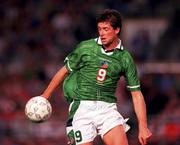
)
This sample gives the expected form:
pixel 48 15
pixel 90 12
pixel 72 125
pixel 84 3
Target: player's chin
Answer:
pixel 104 43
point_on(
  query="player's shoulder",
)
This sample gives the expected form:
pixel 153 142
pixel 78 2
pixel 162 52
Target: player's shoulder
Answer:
pixel 89 42
pixel 125 52
pixel 83 46
pixel 126 56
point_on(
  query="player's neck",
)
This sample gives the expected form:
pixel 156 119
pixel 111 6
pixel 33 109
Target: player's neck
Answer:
pixel 112 45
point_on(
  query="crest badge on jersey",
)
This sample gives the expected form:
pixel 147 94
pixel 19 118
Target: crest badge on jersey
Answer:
pixel 104 64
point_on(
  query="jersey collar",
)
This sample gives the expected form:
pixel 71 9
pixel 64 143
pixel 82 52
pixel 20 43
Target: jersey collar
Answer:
pixel 119 46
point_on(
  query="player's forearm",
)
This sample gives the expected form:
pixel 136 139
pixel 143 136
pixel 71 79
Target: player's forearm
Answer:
pixel 140 108
pixel 56 80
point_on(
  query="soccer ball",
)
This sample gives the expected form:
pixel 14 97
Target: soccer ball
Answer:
pixel 38 109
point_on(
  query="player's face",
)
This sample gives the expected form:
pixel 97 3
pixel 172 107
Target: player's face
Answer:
pixel 107 33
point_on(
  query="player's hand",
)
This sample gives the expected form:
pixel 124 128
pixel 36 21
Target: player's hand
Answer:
pixel 144 135
pixel 45 96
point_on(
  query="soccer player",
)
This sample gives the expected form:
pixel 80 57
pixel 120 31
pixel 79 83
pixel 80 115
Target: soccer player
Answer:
pixel 99 64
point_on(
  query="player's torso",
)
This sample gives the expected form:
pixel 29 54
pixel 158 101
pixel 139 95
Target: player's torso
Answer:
pixel 99 73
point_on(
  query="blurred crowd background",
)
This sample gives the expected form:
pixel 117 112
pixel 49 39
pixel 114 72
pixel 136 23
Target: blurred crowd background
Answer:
pixel 35 37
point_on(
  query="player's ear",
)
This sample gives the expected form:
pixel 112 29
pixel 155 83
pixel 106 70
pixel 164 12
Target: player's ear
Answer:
pixel 117 30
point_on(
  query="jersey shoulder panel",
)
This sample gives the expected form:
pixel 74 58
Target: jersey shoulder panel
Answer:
pixel 88 43
pixel 126 57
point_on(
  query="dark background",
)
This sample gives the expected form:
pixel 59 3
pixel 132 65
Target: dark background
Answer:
pixel 35 37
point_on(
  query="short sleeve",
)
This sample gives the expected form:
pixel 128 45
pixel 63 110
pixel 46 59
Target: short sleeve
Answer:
pixel 72 61
pixel 131 77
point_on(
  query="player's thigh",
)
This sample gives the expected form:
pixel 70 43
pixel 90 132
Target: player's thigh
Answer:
pixel 116 136
pixel 83 126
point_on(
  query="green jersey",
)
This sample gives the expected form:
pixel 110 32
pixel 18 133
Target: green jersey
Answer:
pixel 99 71
pixel 69 86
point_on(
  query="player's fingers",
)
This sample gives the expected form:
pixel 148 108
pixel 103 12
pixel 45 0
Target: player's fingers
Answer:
pixel 149 134
pixel 142 141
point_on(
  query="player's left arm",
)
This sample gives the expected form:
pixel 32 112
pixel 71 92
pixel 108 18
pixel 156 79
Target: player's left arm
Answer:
pixel 133 85
pixel 140 110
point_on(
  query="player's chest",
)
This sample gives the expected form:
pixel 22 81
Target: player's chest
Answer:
pixel 97 60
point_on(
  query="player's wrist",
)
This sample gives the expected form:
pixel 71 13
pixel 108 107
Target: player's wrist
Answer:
pixel 45 96
pixel 143 125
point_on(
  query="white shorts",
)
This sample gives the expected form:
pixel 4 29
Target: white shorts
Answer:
pixel 94 118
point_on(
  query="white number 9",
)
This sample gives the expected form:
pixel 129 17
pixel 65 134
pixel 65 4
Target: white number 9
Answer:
pixel 101 75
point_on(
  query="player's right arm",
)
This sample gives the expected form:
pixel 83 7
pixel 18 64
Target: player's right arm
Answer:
pixel 56 80
pixel 71 63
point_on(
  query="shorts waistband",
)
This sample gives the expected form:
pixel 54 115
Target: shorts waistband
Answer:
pixel 96 104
